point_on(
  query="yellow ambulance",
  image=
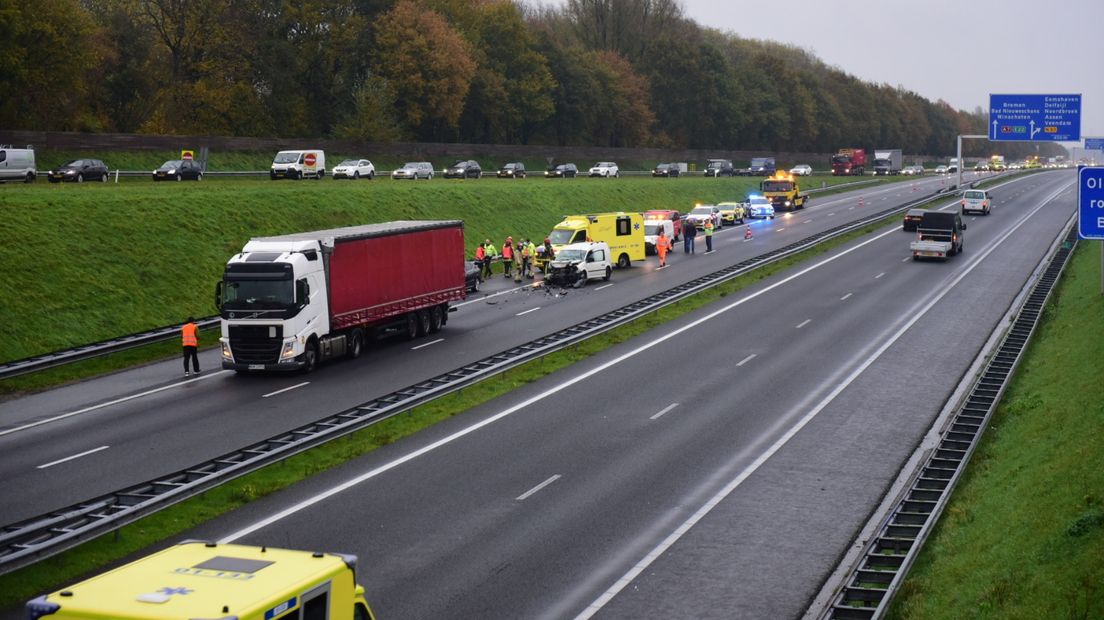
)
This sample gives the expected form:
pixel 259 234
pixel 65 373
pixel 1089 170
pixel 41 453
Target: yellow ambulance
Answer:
pixel 622 232
pixel 197 579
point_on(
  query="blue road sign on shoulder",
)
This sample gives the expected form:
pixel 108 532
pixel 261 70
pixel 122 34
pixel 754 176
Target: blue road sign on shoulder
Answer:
pixel 1090 202
pixel 1028 118
pixel 1094 144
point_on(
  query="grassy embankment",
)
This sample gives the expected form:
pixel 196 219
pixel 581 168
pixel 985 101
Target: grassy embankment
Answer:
pixel 23 584
pixel 1023 535
pixel 97 261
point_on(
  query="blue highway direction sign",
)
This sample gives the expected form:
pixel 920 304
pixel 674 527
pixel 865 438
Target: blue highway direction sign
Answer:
pixel 1090 203
pixel 1027 118
pixel 1094 144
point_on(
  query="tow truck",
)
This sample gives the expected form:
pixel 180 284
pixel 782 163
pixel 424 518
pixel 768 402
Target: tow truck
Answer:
pixel 783 192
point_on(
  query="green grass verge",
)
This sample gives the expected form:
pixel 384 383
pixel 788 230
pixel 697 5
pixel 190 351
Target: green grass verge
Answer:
pixel 1023 535
pixel 26 583
pixel 97 261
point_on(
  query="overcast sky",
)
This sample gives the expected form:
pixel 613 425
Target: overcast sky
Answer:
pixel 956 50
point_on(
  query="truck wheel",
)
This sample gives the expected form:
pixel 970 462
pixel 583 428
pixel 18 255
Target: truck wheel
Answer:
pixel 411 325
pixel 434 319
pixel 423 322
pixel 609 274
pixel 310 357
pixel 623 261
pixel 356 344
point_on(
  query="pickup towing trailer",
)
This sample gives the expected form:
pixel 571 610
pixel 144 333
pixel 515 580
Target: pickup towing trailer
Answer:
pixel 938 235
pixel 291 301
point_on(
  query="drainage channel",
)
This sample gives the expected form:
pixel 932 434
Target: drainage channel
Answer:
pixel 39 537
pixel 884 563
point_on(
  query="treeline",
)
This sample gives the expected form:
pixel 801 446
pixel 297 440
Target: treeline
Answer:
pixel 590 72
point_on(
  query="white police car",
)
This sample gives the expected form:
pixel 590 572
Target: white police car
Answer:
pixel 759 207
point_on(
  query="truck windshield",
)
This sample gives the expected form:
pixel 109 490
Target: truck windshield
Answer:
pixel 759 163
pixel 561 236
pixel 841 159
pixel 258 294
pixel 777 186
pixel 286 158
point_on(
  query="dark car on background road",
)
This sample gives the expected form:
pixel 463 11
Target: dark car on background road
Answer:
pixel 562 171
pixel 666 170
pixel 912 218
pixel 719 168
pixel 515 170
pixel 79 171
pixel 467 169
pixel 178 170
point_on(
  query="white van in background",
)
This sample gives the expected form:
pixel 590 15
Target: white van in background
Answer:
pixel 298 165
pixel 17 164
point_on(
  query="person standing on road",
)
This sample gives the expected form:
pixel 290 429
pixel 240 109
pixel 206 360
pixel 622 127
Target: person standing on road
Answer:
pixel 507 256
pixel 689 231
pixel 489 252
pixel 663 244
pixel 526 253
pixel 189 338
pixel 708 235
pixel 481 259
pixel 532 256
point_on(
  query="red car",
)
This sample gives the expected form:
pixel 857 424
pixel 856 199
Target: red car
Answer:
pixel 667 214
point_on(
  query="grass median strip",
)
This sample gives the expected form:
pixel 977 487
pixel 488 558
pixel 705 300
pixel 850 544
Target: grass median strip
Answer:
pixel 23 584
pixel 1023 534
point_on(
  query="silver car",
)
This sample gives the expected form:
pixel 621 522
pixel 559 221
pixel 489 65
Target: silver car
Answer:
pixel 414 170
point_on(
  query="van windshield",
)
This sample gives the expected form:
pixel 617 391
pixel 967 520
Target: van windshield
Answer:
pixel 289 157
pixel 561 236
pixel 975 195
pixel 651 229
pixel 571 255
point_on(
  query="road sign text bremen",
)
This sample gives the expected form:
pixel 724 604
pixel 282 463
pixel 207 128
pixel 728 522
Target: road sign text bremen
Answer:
pixel 1028 118
pixel 1090 202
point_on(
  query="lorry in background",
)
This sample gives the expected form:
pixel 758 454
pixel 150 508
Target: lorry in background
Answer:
pixel 849 162
pixel 952 166
pixel 783 192
pixel 939 234
pixel 198 579
pixel 298 165
pixel 887 161
pixel 623 232
pixel 292 301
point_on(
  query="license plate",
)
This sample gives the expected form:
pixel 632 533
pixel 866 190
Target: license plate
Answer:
pixel 256 367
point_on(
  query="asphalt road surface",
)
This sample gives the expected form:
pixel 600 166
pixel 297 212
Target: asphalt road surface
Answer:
pixel 715 467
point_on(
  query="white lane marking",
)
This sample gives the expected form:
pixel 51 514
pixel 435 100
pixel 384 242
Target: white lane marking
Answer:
pixel 664 410
pixel 746 359
pixel 611 284
pixel 109 403
pixel 70 458
pixel 540 486
pixel 830 214
pixel 528 311
pixel 906 259
pixel 779 229
pixel 850 208
pixel 555 389
pixel 509 290
pixel 844 298
pixel 879 275
pixel 803 323
pixel 431 342
pixel 806 221
pixel 685 527
pixel 287 389
pixel 663 267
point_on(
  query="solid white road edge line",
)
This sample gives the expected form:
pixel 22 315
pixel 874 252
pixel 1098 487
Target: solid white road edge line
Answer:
pixel 674 536
pixel 109 403
pixel 372 473
pixel 75 456
pixel 528 311
pixel 431 342
pixel 540 486
pixel 287 389
pixel 604 286
pixel 663 411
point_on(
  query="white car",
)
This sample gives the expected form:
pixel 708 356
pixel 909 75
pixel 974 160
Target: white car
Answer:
pixel 578 263
pixel 702 213
pixel 414 170
pixel 760 207
pixel 354 169
pixel 605 169
pixel 802 170
pixel 941 170
pixel 976 201
pixel 913 171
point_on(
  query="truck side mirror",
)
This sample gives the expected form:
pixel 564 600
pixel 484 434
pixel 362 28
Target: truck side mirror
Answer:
pixel 218 295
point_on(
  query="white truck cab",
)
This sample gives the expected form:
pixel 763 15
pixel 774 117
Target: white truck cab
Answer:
pixel 310 163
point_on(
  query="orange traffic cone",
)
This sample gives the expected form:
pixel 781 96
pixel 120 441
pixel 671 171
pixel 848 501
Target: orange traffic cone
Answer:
pixel 862 202
pixel 914 187
pixel 747 233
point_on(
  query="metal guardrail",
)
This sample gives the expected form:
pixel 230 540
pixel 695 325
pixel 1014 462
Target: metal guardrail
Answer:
pixel 33 539
pixel 160 334
pixel 878 574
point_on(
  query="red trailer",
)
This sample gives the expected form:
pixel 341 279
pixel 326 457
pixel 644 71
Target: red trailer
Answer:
pixel 849 162
pixel 290 301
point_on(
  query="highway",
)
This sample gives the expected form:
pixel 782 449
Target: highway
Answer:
pixel 715 467
pixel 80 441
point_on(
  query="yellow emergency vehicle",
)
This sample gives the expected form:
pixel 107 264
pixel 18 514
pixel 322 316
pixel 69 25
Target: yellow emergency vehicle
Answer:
pixel 198 579
pixel 783 192
pixel 622 232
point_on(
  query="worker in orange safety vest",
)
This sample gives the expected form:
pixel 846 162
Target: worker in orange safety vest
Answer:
pixel 189 338
pixel 663 245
